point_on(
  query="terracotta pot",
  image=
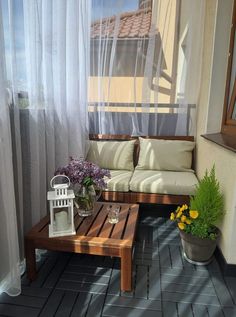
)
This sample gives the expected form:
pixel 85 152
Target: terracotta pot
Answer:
pixel 197 249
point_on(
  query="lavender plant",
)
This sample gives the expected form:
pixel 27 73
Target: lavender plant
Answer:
pixel 84 173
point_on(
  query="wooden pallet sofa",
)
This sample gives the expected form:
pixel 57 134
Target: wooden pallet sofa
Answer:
pixel 145 170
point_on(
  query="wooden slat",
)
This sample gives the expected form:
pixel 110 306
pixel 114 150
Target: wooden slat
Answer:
pixel 112 137
pixel 96 305
pixel 44 232
pixel 88 221
pixel 135 197
pixel 52 304
pixel 129 137
pixel 81 305
pixel 82 287
pixel 45 270
pixel 58 268
pixel 122 301
pixel 39 226
pixel 22 300
pixel 77 221
pixel 18 310
pixel 115 311
pixel 106 230
pixel 141 282
pixel 131 224
pixel 107 227
pixel 85 278
pixel 35 291
pixel 161 198
pixel 76 241
pixel 119 227
pixel 96 226
pixel 66 305
pixel 125 197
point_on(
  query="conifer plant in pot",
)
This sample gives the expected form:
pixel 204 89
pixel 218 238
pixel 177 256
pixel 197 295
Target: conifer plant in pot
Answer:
pixel 197 222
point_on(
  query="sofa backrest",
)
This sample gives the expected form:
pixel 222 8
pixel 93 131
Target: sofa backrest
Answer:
pixel 125 137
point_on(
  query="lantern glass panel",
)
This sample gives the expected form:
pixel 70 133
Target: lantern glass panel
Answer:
pixel 61 219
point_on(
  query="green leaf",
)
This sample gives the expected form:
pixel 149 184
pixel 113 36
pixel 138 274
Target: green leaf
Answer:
pixel 209 202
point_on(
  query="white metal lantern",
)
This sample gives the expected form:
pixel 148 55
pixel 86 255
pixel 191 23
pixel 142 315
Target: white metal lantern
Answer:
pixel 61 208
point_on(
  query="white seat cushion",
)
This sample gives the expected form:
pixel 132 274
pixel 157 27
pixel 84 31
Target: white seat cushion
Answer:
pixel 163 182
pixel 119 181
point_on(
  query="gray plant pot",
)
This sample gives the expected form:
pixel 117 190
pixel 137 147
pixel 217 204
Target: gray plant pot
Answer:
pixel 198 250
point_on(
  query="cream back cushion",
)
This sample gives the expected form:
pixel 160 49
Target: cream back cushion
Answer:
pixel 114 155
pixel 165 155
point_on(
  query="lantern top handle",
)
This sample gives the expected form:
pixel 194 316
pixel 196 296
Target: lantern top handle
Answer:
pixel 55 185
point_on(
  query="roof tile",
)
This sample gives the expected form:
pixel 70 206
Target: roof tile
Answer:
pixel 132 24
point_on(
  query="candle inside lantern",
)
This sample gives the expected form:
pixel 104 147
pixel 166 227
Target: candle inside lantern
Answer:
pixel 61 221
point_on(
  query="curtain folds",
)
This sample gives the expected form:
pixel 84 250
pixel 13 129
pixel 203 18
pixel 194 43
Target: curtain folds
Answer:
pixel 57 50
pixel 9 248
pixel 145 66
pixel 48 108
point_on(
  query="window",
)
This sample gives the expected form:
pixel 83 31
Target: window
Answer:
pixel 229 114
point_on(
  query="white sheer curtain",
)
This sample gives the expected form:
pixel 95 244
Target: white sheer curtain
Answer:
pixel 48 111
pixel 9 249
pixel 57 55
pixel 145 66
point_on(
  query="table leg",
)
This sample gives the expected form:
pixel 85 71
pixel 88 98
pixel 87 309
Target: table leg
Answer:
pixel 126 269
pixel 30 259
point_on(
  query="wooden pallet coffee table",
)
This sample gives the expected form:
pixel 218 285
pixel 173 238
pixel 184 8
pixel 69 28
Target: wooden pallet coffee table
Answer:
pixel 94 235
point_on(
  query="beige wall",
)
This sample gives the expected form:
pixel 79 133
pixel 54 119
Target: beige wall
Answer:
pixel 216 42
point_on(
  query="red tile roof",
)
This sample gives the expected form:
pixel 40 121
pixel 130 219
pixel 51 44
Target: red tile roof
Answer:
pixel 132 25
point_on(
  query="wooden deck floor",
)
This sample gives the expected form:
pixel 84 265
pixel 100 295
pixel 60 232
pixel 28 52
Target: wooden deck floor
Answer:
pixel 164 283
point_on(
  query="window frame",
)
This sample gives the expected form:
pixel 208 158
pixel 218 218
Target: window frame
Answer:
pixel 228 125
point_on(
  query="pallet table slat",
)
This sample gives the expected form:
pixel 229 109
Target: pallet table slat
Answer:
pixel 132 221
pixel 87 222
pixel 39 226
pixel 77 221
pixel 96 226
pixel 119 227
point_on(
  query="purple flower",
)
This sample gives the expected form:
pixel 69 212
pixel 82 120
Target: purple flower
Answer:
pixel 83 172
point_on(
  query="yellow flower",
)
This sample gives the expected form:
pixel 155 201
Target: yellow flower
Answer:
pixel 185 207
pixel 188 221
pixel 179 214
pixel 172 216
pixel 181 225
pixel 183 218
pixel 193 214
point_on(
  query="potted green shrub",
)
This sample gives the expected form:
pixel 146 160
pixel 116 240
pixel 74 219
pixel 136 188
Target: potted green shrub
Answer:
pixel 197 222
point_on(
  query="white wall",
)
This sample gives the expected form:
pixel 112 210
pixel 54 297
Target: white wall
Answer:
pixel 216 44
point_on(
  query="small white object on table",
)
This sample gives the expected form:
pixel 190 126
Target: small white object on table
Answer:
pixel 61 221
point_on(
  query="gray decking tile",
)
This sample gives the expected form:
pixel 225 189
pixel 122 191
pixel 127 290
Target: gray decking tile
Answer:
pixel 164 283
pixel 17 311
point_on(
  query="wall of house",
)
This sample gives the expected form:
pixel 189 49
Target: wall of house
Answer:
pixel 216 43
pixel 191 29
